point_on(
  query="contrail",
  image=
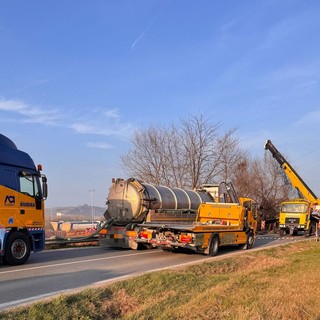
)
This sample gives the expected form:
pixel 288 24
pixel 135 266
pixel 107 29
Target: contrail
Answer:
pixel 143 33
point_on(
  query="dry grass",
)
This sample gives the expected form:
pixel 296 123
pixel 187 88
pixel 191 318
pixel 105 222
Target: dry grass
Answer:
pixel 279 283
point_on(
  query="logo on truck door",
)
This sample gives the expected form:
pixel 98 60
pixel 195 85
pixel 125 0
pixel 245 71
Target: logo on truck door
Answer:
pixel 9 201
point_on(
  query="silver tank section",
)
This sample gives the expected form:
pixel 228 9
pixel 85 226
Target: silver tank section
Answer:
pixel 130 200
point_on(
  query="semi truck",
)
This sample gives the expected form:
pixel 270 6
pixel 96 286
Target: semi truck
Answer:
pixel 223 221
pixel 301 214
pixel 23 189
pixel 130 202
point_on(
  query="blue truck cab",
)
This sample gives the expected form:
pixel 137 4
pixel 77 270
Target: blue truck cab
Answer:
pixel 23 190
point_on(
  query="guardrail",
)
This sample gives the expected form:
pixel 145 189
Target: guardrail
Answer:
pixel 64 242
pixel 76 240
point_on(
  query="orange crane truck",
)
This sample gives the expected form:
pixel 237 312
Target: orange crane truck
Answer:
pixel 22 197
pixel 225 220
pixel 300 214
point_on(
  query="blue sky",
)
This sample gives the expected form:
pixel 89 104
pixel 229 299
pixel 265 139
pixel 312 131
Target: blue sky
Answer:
pixel 78 77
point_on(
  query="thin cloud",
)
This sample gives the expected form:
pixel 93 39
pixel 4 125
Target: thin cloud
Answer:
pixel 113 113
pixel 103 122
pixel 98 121
pixel 310 118
pixel 99 145
pixel 31 85
pixel 103 129
pixel 286 27
pixel 227 27
pixel 28 113
pixel 302 71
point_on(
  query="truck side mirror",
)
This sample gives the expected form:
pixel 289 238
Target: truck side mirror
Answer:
pixel 44 187
pixel 247 205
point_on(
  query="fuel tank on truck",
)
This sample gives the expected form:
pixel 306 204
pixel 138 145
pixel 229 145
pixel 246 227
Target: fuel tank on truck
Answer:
pixel 131 199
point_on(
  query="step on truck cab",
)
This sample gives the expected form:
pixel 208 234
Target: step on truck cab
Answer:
pixel 23 190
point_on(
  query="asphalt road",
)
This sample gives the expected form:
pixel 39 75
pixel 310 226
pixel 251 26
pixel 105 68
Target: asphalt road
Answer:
pixel 53 272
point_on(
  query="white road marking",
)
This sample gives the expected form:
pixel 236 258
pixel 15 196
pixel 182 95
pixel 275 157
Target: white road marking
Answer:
pixel 28 300
pixel 99 283
pixel 77 262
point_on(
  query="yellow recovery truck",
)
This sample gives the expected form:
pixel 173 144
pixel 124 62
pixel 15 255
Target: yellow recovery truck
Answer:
pixel 225 220
pixel 130 202
pixel 298 214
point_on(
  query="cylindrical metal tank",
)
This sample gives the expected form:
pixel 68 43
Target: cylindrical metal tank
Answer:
pixel 130 200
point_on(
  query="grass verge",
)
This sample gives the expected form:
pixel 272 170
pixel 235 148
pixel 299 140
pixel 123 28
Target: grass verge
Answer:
pixel 277 283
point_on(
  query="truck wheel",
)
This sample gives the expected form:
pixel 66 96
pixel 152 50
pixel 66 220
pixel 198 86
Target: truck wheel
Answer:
pixel 250 240
pixel 17 249
pixel 282 232
pixel 249 243
pixel 309 231
pixel 214 245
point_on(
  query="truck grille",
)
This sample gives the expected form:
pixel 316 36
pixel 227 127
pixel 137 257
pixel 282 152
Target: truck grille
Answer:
pixel 292 220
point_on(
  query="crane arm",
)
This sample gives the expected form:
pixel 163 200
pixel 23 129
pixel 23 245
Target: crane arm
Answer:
pixel 296 181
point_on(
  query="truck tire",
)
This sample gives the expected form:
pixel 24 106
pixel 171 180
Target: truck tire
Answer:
pixel 17 248
pixel 214 245
pixel 250 240
pixel 249 243
pixel 309 231
pixel 282 232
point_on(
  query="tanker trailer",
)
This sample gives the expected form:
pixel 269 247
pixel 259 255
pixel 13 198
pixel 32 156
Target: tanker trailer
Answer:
pixel 131 202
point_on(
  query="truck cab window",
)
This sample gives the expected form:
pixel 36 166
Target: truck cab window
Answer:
pixel 28 185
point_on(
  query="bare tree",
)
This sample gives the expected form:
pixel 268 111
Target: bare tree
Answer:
pixel 195 152
pixel 199 140
pixel 229 155
pixel 186 155
pixel 146 158
pixel 175 170
pixel 263 180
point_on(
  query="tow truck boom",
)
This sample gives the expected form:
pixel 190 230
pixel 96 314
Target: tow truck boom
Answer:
pixel 296 181
pixel 297 214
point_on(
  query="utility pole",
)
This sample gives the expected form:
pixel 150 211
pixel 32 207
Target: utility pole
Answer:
pixel 92 209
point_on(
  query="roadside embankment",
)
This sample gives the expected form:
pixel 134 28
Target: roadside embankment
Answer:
pixel 277 283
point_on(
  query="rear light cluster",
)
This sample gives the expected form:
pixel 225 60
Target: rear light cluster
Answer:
pixel 103 232
pixel 132 234
pixel 184 238
pixel 145 235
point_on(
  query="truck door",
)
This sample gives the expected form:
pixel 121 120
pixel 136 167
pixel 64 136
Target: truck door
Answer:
pixel 30 200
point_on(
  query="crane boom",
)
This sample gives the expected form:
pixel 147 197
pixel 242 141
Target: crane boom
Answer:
pixel 296 181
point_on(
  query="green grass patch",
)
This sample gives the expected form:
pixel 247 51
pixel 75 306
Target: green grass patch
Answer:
pixel 277 283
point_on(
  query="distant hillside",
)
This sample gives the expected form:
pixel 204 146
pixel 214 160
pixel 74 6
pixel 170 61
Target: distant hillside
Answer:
pixel 78 212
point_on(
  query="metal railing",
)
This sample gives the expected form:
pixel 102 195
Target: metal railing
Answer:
pixel 93 237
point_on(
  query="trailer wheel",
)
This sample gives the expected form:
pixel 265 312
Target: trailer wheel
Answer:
pixel 17 249
pixel 214 245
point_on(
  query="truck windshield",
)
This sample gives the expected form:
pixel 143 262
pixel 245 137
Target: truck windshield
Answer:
pixel 29 185
pixel 294 207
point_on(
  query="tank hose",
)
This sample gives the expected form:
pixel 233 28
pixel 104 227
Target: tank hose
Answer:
pixel 106 224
